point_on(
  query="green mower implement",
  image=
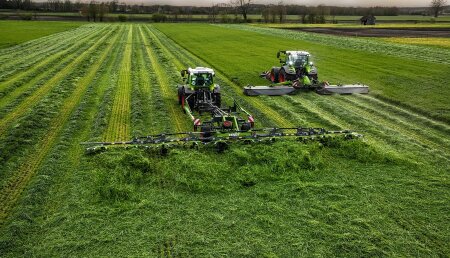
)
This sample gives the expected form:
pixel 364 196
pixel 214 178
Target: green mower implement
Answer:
pixel 298 73
pixel 214 123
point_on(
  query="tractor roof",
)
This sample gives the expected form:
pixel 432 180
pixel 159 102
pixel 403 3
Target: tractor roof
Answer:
pixel 297 53
pixel 198 70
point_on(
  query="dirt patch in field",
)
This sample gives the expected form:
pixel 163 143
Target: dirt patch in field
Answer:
pixel 374 32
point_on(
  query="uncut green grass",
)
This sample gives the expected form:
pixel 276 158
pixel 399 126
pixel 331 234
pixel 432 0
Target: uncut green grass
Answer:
pixel 283 199
pixel 16 32
pixel 409 81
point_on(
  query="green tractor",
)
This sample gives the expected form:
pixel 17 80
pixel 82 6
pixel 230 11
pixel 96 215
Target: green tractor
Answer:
pixel 199 94
pixel 295 65
pixel 297 72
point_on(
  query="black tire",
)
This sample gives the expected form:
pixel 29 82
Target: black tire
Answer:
pixel 282 76
pixel 191 101
pixel 274 74
pixel 180 94
pixel 218 99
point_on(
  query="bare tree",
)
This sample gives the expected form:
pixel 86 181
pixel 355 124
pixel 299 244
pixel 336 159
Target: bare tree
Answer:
pixel 243 6
pixel 437 6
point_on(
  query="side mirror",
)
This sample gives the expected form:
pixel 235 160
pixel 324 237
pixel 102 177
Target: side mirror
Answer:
pixel 278 54
pixel 183 73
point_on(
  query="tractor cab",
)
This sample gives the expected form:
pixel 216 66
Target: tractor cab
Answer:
pixel 199 78
pixel 297 59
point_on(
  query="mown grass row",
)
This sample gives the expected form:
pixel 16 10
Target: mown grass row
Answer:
pixel 45 88
pixel 42 66
pixel 119 122
pixel 145 117
pixel 19 181
pixel 30 56
pixel 163 73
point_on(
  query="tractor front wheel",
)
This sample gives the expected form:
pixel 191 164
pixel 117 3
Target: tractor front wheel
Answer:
pixel 274 75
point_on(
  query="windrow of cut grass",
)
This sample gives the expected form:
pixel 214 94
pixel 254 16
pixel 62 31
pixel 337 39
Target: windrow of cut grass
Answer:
pixel 145 117
pixel 45 88
pixel 119 122
pixel 167 86
pixel 15 185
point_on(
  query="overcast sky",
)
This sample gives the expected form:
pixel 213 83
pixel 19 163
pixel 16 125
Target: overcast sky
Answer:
pixel 400 3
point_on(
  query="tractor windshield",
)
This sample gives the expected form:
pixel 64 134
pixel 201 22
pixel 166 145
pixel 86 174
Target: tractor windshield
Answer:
pixel 202 79
pixel 298 60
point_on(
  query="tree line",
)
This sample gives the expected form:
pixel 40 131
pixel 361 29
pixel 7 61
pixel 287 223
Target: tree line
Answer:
pixel 232 11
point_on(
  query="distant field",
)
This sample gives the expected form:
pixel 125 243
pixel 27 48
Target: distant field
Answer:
pixel 16 32
pixel 433 42
pixel 359 26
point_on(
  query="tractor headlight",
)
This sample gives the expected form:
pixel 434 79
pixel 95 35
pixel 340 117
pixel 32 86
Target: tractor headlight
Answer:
pixel 291 63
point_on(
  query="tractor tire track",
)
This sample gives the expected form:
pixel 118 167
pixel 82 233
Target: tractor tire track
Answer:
pixel 42 66
pixel 15 185
pixel 44 89
pixel 169 95
pixel 270 113
pixel 119 123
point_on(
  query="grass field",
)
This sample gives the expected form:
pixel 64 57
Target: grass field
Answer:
pixel 16 32
pixel 384 195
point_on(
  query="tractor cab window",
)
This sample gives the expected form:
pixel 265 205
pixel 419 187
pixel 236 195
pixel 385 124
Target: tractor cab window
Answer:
pixel 297 60
pixel 201 79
